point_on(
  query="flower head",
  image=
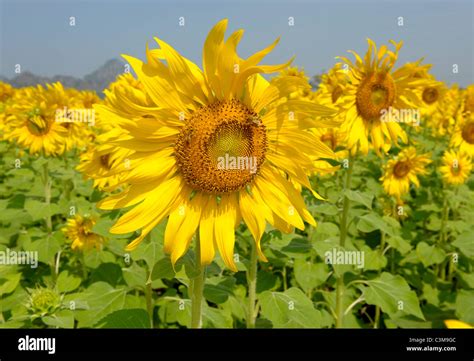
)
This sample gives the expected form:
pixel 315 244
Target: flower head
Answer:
pixel 213 147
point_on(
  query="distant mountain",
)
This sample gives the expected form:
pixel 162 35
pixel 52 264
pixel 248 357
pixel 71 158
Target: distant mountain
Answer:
pixel 98 80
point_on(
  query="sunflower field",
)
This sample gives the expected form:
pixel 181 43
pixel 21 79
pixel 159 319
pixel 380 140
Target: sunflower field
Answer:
pixel 237 195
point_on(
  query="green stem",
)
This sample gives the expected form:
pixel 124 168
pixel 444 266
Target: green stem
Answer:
pixel 47 196
pixel 197 287
pixel 252 285
pixel 149 299
pixel 444 219
pixel 377 308
pixel 342 242
pixel 377 317
pixel 83 265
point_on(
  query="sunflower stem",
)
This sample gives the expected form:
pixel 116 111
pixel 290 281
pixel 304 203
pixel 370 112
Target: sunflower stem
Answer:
pixel 149 299
pixel 197 287
pixel 47 196
pixel 252 285
pixel 444 219
pixel 342 242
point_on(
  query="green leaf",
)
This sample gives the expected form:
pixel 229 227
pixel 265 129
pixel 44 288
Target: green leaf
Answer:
pixel 392 294
pixel 39 210
pixel 47 247
pixel 325 208
pixel 163 269
pixel 135 276
pixel 465 306
pixel 297 245
pixel 266 281
pixel 66 282
pixel 374 260
pixel 9 282
pixel 359 197
pixel 107 272
pixel 100 299
pixel 371 222
pixel 429 255
pixel 310 275
pixel 220 292
pixel 61 319
pixel 289 309
pixel 399 244
pixel 465 244
pixel 151 249
pixel 128 318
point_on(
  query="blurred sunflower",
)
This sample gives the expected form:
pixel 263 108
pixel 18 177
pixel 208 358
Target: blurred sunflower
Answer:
pixel 374 91
pixel 463 135
pixel 457 324
pixel 332 85
pixel 456 167
pixel 103 164
pixel 334 138
pixel 443 119
pixel 468 99
pixel 79 231
pixel 196 120
pixel 33 122
pixel 403 170
pixel 6 91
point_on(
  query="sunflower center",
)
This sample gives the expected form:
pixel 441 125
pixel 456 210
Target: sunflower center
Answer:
pixel 468 132
pixel 104 160
pixel 221 147
pixel 329 139
pixel 375 93
pixel 455 170
pixel 37 125
pixel 430 95
pixel 401 169
pixel 336 93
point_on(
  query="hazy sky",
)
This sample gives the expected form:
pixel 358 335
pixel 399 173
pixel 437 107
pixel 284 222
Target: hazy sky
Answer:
pixel 37 35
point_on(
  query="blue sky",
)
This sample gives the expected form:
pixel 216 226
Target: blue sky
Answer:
pixel 37 35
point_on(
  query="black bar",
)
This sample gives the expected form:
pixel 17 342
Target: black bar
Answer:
pixel 175 341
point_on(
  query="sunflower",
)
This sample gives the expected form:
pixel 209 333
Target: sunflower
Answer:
pixel 377 97
pixel 468 99
pixel 457 324
pixel 79 231
pixel 103 164
pixel 403 170
pixel 332 85
pixel 463 135
pixel 33 122
pixel 431 94
pixel 456 167
pixel 443 119
pixel 211 148
pixel 334 138
pixel 6 91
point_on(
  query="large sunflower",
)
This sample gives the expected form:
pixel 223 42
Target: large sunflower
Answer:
pixel 213 148
pixel 374 96
pixel 403 170
pixel 456 167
